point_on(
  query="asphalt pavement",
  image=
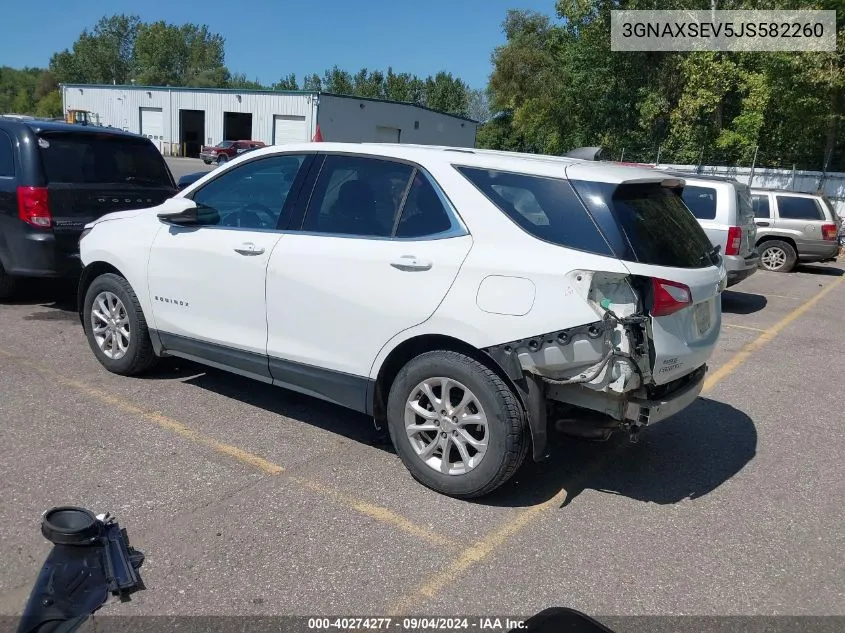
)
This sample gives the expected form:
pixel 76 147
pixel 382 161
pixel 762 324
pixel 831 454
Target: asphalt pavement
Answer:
pixel 249 499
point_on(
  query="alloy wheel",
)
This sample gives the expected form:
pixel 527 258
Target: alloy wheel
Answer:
pixel 110 325
pixel 446 426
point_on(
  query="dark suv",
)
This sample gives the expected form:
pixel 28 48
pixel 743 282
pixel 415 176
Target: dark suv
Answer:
pixel 55 178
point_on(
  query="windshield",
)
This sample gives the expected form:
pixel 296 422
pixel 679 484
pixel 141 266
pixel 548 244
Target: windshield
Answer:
pixel 93 158
pixel 225 144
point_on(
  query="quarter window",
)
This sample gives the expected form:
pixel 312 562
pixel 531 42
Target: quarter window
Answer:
pixel 357 196
pixel 249 196
pixel 760 204
pixel 701 201
pixel 546 208
pixel 7 159
pixel 796 208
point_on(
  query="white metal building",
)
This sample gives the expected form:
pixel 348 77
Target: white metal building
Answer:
pixel 180 120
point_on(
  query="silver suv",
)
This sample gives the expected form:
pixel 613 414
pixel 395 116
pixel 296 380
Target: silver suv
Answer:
pixel 722 206
pixel 794 227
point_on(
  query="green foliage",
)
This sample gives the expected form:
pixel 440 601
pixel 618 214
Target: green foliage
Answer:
pixel 563 87
pixel 121 49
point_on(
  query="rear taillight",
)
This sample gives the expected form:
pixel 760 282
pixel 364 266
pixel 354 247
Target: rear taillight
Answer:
pixel 829 232
pixel 734 241
pixel 34 207
pixel 669 297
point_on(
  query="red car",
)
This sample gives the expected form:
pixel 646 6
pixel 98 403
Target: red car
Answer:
pixel 226 150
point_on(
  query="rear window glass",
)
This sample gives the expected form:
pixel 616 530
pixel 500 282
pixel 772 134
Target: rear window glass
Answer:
pixel 89 158
pixel 647 223
pixel 760 204
pixel 794 208
pixel 701 201
pixel 547 208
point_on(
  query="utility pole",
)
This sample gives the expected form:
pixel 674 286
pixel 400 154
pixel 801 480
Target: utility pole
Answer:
pixel 753 163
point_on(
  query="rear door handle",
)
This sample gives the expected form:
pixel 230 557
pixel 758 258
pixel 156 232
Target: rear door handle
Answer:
pixel 410 263
pixel 762 223
pixel 248 248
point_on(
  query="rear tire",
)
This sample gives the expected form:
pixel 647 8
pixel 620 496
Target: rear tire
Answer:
pixel 121 341
pixel 8 284
pixel 485 440
pixel 777 256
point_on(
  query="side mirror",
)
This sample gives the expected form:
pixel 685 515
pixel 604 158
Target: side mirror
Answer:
pixel 184 212
pixel 178 211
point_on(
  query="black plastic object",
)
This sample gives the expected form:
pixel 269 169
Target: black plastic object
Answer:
pixel 90 559
pixel 585 153
pixel 561 620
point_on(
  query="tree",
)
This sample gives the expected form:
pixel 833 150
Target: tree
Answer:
pixel 287 83
pixel 447 94
pixel 103 55
pixel 173 55
pixel 479 106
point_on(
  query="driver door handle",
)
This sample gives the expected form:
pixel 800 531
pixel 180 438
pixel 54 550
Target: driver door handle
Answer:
pixel 410 263
pixel 248 248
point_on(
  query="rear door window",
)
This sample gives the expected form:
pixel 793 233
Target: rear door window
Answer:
pixel 357 196
pixel 102 159
pixel 7 157
pixel 760 204
pixel 546 208
pixel 797 208
pixel 701 201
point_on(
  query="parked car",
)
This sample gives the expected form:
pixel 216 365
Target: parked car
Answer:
pixel 227 150
pixel 189 179
pixel 722 206
pixel 458 296
pixel 794 227
pixel 56 177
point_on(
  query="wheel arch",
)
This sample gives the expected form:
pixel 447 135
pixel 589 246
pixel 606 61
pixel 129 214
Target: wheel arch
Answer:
pixel 528 391
pixel 89 274
pixel 778 238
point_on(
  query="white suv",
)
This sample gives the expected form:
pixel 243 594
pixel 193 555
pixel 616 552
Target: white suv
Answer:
pixel 462 297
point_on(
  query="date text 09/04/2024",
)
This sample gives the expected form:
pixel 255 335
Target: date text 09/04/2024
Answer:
pixel 416 624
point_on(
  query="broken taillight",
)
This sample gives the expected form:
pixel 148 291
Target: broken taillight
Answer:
pixel 668 297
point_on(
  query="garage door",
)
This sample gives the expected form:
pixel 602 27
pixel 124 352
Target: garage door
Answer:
pixel 387 134
pixel 289 129
pixel 152 125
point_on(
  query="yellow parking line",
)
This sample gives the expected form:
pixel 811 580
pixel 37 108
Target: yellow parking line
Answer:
pixel 474 554
pixel 378 513
pixel 743 327
pixel 749 348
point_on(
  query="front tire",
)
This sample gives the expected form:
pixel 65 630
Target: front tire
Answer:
pixel 465 444
pixel 222 159
pixel 116 328
pixel 777 256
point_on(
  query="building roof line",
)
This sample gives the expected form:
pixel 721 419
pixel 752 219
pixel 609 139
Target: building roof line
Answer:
pixel 264 91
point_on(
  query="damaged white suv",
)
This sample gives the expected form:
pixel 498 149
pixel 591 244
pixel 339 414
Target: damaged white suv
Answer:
pixel 465 298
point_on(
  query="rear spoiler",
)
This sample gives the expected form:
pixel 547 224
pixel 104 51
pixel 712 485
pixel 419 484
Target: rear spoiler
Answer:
pixel 585 153
pixel 596 154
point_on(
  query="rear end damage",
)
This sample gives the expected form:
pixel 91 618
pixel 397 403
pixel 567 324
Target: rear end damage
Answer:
pixel 596 378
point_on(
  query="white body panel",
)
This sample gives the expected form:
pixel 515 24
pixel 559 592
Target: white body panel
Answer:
pixel 334 302
pixel 226 302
